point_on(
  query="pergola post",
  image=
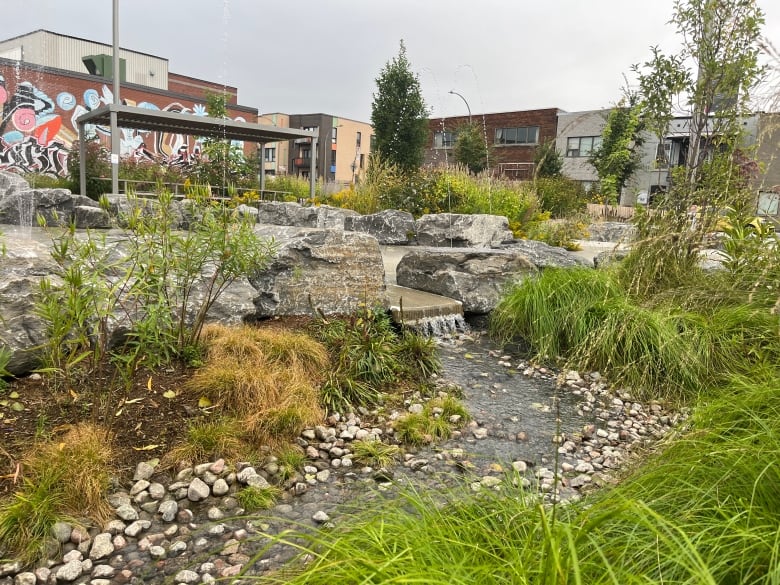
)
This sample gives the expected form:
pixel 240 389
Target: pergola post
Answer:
pixel 82 161
pixel 262 170
pixel 315 145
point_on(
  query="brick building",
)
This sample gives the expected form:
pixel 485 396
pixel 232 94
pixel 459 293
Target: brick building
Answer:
pixel 512 138
pixel 48 80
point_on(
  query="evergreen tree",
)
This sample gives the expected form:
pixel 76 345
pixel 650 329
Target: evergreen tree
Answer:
pixel 548 162
pixel 471 148
pixel 399 115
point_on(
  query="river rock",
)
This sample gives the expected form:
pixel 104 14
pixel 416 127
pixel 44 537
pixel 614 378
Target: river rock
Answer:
pixel 318 270
pixel 463 230
pixel 476 277
pixel 390 227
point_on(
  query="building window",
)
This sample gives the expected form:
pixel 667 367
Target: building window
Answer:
pixel 362 161
pixel 372 143
pixel 335 130
pixel 444 139
pixel 306 153
pixel 357 140
pixel 582 145
pixel 521 135
pixel 333 158
pixel 270 154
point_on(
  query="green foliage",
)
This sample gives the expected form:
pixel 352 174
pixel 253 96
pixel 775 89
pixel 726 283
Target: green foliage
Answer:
pixel 618 156
pixel 399 115
pixel 222 162
pixel 560 196
pixel 548 162
pixel 433 423
pixel 295 187
pixel 97 165
pixel 471 148
pixel 375 453
pixel 290 459
pixel 559 232
pixel 43 181
pixel 152 285
pixel 370 359
pixel 253 498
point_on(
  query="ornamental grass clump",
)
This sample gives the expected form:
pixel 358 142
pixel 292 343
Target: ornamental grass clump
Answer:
pixel 65 478
pixel 267 379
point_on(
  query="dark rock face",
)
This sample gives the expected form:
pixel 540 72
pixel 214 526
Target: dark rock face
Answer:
pixel 463 231
pixel 21 330
pixel 319 270
pixel 390 227
pixel 476 277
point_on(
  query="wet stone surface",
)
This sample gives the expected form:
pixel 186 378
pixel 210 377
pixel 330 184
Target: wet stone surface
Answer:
pixel 189 527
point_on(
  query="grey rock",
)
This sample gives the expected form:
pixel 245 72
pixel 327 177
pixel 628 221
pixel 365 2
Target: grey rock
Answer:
pixel 168 510
pixel 13 567
pixel 70 571
pixel 10 183
pixel 137 527
pixel 286 214
pixel 91 217
pixel 25 579
pixel 102 546
pixel 220 487
pixel 187 576
pixel 198 490
pixel 22 266
pixel 257 481
pixel 127 512
pixel 334 218
pixel 463 230
pixel 389 227
pixel 545 256
pixel 611 231
pixel 320 517
pixel 318 270
pixel 103 571
pixel 476 277
pixel 139 486
pixel 61 532
pixel 144 470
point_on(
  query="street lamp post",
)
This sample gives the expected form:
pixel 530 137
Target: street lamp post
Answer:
pixel 453 92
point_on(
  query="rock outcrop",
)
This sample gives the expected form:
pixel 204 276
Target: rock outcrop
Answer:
pixel 463 231
pixel 390 227
pixel 318 270
pixel 474 276
pixel 545 256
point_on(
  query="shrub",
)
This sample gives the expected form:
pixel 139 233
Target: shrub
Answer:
pixel 97 166
pixel 560 196
pixel 375 453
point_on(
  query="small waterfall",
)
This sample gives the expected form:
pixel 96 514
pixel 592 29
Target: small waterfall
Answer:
pixel 26 214
pixel 439 325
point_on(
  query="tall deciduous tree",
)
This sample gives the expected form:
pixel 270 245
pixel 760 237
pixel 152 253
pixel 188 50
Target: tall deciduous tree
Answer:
pixel 399 115
pixel 618 156
pixel 709 81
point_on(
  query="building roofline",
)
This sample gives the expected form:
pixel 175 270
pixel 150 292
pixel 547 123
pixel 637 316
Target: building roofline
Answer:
pixel 81 39
pixel 146 88
pixel 480 114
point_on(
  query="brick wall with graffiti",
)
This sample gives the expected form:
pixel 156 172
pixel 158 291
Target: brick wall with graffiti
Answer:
pixel 39 109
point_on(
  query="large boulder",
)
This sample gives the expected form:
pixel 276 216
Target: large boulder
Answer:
pixel 87 217
pixel 390 227
pixel 22 266
pixel 611 231
pixel 286 213
pixel 475 276
pixel 334 218
pixel 10 183
pixel 318 270
pixel 56 206
pixel 463 230
pixel 545 256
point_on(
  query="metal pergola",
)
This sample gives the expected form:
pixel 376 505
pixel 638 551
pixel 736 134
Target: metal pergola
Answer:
pixel 120 116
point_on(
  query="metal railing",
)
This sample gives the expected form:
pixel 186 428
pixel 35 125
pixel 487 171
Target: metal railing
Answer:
pixel 143 188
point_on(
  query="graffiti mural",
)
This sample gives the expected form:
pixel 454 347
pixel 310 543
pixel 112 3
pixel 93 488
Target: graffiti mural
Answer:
pixel 38 131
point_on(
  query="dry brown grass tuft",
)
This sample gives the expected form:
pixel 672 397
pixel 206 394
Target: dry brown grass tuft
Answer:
pixel 266 378
pixel 81 460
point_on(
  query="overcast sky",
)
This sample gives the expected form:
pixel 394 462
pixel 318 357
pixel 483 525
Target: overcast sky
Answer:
pixel 304 56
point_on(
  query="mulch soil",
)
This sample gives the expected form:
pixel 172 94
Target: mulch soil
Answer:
pixel 145 418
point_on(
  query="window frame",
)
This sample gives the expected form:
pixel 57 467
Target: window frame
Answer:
pixel 516 136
